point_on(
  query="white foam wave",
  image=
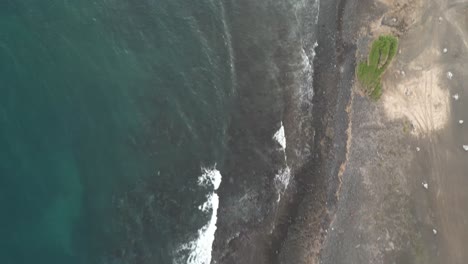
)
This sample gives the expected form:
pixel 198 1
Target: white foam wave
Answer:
pixel 283 176
pixel 200 249
pixel 313 50
pixel 210 177
pixel 307 93
pixel 280 137
pixel 282 181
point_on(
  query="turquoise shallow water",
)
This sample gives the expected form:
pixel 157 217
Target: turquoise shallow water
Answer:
pixel 108 111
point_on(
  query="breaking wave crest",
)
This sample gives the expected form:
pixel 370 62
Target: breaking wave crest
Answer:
pixel 200 248
pixel 283 176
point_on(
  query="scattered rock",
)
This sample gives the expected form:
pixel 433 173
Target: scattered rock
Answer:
pixel 390 22
pixel 449 75
pixel 460 121
pixel 391 246
pixel 407 92
pixel 434 231
pixel 403 73
pixel 440 19
pixel 445 50
pixel 418 149
pixel 425 185
pixel 465 147
pixel 455 96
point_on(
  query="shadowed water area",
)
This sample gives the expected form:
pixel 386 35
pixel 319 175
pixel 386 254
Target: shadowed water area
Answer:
pixel 108 112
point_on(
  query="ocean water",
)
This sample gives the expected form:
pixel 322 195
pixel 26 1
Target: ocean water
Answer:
pixel 110 112
pixel 121 120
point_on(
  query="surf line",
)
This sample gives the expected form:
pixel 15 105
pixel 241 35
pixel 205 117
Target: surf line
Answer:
pixel 201 248
pixel 283 176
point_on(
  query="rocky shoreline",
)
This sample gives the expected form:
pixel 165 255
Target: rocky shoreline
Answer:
pixel 294 231
pixel 358 197
pixel 333 79
pixel 384 181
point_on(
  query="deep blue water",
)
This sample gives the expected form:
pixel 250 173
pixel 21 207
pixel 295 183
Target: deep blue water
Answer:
pixel 109 110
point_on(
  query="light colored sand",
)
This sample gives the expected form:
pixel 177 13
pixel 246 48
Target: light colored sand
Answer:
pixel 414 93
pixel 418 97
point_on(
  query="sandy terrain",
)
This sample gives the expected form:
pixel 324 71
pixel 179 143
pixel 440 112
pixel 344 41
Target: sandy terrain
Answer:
pixel 403 197
pixel 419 98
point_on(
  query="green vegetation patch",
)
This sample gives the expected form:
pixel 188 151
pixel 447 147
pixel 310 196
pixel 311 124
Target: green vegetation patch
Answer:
pixel 382 52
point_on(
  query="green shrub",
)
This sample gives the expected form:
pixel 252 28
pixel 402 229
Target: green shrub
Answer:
pixel 377 92
pixel 382 52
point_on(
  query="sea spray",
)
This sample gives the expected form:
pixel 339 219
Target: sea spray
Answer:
pixel 282 179
pixel 283 176
pixel 200 248
pixel 306 93
pixel 279 136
